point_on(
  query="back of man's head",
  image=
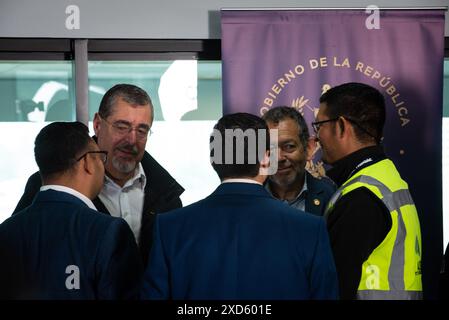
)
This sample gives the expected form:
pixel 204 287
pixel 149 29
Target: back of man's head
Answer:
pixel 360 104
pixel 282 113
pixel 131 94
pixel 238 144
pixel 58 146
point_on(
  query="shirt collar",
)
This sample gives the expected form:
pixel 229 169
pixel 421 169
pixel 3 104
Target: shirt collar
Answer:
pixel 71 191
pixel 139 179
pixel 140 176
pixel 241 181
pixel 300 194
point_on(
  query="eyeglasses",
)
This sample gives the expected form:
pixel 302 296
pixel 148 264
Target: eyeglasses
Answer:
pixel 123 128
pixel 103 155
pixel 317 124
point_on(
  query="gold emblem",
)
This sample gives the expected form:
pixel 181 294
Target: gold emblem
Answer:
pixel 316 202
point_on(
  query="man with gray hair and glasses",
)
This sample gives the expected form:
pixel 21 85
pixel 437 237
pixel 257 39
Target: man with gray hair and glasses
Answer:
pixel 136 185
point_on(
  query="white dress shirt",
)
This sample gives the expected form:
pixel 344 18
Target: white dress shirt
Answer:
pixel 241 180
pixel 73 192
pixel 126 202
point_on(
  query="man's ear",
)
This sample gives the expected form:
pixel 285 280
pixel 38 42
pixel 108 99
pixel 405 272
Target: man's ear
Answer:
pixel 310 148
pixel 265 164
pixel 96 123
pixel 88 165
pixel 347 127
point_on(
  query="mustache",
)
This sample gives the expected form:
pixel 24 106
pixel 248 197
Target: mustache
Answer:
pixel 126 147
pixel 283 164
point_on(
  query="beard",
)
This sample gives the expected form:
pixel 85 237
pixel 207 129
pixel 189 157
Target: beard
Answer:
pixel 124 165
pixel 290 178
pixel 284 180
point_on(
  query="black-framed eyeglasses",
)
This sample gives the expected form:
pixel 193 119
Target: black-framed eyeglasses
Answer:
pixel 103 155
pixel 317 124
pixel 122 128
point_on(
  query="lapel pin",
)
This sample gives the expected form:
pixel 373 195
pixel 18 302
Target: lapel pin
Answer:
pixel 316 202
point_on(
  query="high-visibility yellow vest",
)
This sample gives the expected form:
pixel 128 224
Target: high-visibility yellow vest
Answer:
pixel 393 269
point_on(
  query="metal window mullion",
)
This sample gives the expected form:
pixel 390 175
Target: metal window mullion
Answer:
pixel 81 81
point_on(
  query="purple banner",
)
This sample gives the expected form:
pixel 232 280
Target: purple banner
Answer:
pixel 273 58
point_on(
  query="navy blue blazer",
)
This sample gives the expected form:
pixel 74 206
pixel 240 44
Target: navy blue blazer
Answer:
pixel 58 243
pixel 240 243
pixel 319 192
pixel 162 194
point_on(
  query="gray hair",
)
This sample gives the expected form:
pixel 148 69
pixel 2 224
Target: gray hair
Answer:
pixel 277 114
pixel 129 93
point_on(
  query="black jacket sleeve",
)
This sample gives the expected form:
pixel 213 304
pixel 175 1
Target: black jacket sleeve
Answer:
pixel 32 187
pixel 358 223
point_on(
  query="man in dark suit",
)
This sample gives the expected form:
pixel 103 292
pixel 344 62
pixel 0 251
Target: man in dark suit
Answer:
pixel 59 247
pixel 292 183
pixel 136 186
pixel 240 243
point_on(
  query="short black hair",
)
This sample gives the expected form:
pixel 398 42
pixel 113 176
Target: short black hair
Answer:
pixel 234 122
pixel 360 104
pixel 281 113
pixel 128 92
pixel 58 145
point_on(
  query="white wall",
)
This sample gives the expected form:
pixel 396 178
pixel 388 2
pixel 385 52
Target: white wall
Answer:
pixel 151 19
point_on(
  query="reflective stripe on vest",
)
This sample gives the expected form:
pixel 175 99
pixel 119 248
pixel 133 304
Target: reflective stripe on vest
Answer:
pixel 394 201
pixel 388 295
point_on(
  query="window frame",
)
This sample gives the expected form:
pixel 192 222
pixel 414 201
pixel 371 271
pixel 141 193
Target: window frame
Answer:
pixel 110 49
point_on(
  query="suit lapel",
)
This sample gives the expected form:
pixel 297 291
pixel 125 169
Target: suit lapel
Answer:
pixel 314 197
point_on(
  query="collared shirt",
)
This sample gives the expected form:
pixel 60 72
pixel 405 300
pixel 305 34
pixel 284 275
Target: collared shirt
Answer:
pixel 241 181
pixel 126 202
pixel 71 191
pixel 299 202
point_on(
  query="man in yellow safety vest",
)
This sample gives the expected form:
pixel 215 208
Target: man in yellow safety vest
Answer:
pixel 372 220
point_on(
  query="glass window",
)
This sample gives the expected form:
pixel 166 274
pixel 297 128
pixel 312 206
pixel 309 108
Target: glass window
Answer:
pixel 187 98
pixel 186 95
pixel 32 93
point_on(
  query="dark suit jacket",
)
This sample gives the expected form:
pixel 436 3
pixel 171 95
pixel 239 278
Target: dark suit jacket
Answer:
pixel 240 243
pixel 161 194
pixel 39 244
pixel 319 192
